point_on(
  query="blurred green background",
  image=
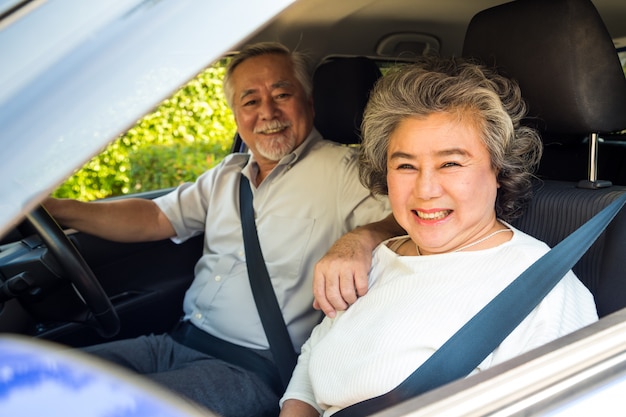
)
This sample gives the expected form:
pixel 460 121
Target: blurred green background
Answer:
pixel 183 137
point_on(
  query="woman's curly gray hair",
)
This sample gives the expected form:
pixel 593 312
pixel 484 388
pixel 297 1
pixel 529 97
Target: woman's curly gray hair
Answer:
pixel 466 89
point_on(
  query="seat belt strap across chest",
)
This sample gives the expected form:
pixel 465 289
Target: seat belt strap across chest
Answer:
pixel 264 296
pixel 484 332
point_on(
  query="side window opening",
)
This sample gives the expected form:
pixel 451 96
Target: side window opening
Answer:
pixel 184 136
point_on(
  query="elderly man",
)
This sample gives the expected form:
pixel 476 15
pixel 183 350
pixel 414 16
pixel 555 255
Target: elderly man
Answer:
pixel 219 356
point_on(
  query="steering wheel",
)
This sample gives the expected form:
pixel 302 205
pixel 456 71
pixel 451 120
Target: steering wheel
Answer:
pixel 77 271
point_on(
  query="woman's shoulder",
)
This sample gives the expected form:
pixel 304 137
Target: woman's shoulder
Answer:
pixel 527 242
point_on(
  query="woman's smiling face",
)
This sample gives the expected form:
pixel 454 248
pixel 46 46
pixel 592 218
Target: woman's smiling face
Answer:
pixel 442 187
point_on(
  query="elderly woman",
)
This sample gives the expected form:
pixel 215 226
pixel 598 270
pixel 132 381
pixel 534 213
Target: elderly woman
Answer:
pixel 443 139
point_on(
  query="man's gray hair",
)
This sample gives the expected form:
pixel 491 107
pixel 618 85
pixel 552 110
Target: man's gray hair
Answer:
pixel 299 60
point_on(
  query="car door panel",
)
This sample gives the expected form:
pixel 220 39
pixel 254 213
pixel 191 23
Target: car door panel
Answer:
pixel 146 283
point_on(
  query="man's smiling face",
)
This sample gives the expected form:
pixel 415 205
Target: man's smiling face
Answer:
pixel 271 109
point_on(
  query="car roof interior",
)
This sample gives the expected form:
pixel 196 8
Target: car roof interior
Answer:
pixel 390 28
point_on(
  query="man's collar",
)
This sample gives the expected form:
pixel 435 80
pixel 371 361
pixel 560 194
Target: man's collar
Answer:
pixel 298 153
pixel 303 149
pixel 252 168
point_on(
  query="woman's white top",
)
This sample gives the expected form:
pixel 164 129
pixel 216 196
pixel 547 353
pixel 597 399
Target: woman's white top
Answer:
pixel 414 304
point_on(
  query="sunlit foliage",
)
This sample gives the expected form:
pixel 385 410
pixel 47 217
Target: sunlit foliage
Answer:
pixel 187 134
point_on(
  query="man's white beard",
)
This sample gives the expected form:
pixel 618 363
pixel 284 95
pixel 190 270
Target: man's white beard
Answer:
pixel 276 148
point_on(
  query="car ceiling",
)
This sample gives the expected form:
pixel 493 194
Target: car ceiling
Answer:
pixel 355 27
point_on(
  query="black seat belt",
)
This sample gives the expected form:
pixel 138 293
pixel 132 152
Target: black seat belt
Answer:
pixel 271 316
pixel 484 332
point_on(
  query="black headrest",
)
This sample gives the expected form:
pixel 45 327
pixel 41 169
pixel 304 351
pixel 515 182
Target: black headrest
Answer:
pixel 563 57
pixel 341 88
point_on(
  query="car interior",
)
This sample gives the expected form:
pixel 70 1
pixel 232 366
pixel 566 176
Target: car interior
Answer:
pixel 560 52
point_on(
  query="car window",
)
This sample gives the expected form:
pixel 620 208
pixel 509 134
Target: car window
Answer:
pixel 185 135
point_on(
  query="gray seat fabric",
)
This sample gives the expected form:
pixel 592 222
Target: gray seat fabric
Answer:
pixel 559 208
pixel 564 59
pixel 341 89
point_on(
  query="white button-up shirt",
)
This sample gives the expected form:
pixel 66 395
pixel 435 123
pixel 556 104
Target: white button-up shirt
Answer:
pixel 310 199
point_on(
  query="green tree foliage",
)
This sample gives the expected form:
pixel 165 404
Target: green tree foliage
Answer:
pixel 187 134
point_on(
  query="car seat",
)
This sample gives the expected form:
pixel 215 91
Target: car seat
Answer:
pixel 561 54
pixel 567 66
pixel 341 88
